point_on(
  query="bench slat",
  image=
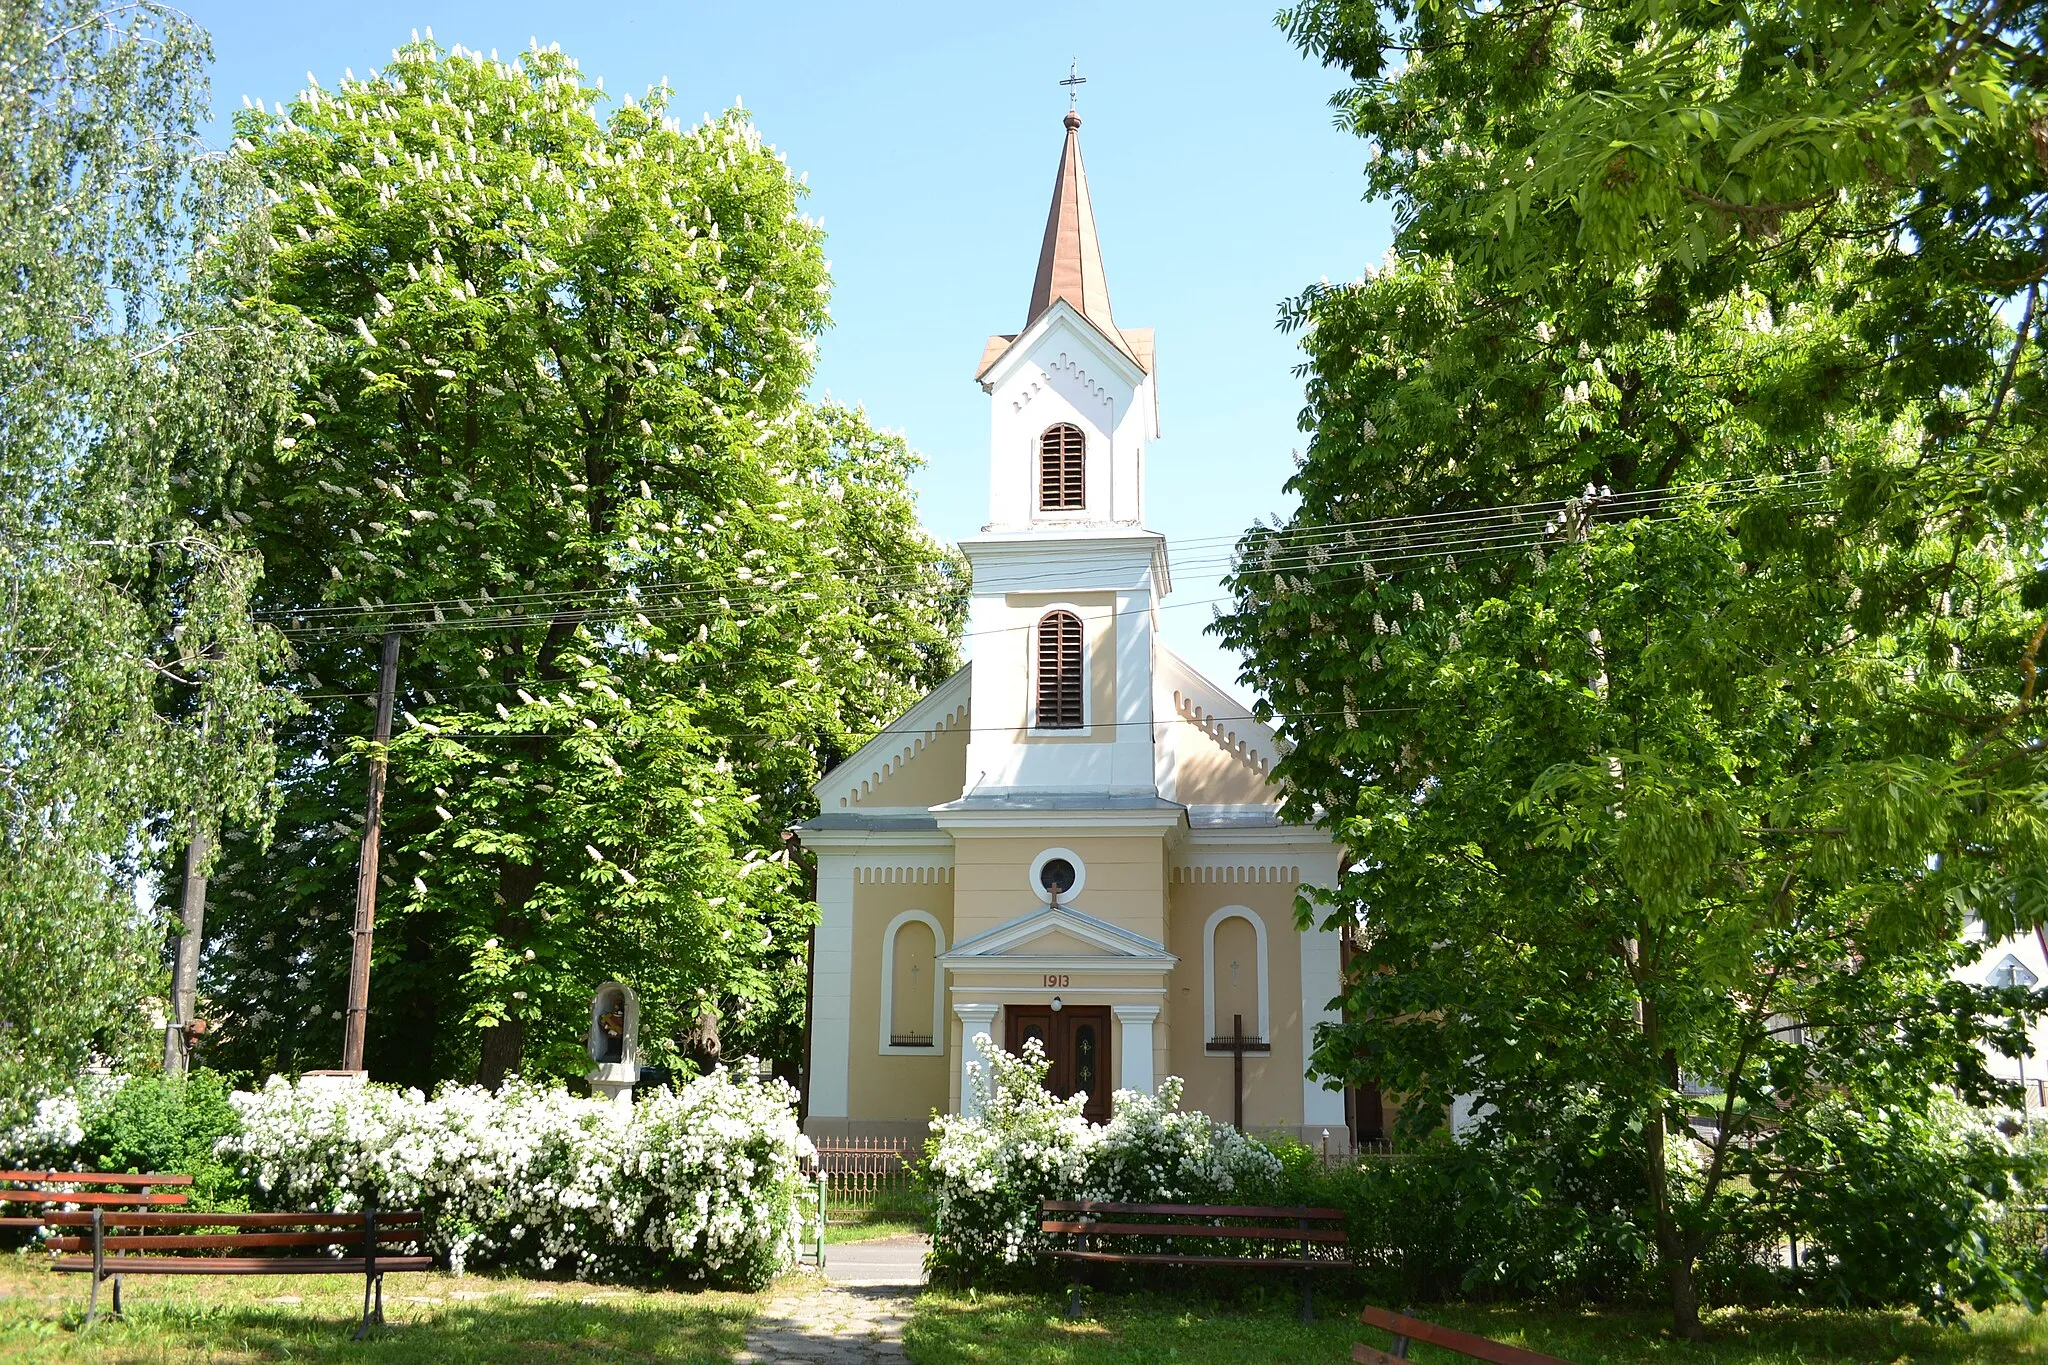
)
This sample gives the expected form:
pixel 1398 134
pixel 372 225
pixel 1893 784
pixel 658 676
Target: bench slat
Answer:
pixel 92 1197
pixel 1148 1258
pixel 1362 1354
pixel 1191 1210
pixel 241 1265
pixel 93 1178
pixel 233 1241
pixel 1331 1235
pixel 397 1218
pixel 1450 1339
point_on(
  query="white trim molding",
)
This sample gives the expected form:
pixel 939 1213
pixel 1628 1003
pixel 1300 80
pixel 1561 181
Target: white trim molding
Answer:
pixel 937 1046
pixel 1008 945
pixel 1215 920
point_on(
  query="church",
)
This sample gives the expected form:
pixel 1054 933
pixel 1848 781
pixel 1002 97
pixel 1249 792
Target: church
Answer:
pixel 1075 838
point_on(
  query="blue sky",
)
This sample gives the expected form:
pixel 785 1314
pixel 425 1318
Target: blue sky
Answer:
pixel 931 134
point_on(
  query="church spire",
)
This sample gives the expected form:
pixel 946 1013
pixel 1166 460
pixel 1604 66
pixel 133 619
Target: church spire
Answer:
pixel 1070 261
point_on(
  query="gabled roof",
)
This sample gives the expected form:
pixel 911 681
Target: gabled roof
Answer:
pixel 1114 944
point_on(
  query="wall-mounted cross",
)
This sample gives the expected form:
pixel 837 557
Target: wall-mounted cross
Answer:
pixel 1237 1045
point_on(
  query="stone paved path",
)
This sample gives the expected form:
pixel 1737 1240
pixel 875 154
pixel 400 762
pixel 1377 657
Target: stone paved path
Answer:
pixel 852 1316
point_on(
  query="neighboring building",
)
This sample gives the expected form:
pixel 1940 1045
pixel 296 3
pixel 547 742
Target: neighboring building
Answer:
pixel 2018 961
pixel 1075 838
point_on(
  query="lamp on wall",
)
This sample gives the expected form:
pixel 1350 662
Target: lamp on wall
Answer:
pixel 1057 1005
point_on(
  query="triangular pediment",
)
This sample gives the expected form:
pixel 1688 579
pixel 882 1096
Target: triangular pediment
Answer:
pixel 1062 932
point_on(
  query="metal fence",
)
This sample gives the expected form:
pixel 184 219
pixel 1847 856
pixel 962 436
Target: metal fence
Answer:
pixel 868 1177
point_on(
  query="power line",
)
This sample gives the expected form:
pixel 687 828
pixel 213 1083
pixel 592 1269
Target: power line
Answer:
pixel 1383 540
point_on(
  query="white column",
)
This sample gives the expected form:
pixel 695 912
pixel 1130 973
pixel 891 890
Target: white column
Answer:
pixel 832 989
pixel 1320 953
pixel 1134 1044
pixel 975 1021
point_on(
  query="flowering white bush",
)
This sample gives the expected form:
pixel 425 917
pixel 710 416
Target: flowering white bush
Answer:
pixel 703 1180
pixel 45 1140
pixel 987 1174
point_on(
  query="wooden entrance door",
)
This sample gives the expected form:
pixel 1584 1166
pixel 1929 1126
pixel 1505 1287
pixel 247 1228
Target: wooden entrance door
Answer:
pixel 1076 1042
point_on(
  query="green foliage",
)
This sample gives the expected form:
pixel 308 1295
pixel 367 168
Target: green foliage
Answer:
pixel 154 1122
pixel 557 436
pixel 1673 805
pixel 1480 1220
pixel 132 681
pixel 1903 1205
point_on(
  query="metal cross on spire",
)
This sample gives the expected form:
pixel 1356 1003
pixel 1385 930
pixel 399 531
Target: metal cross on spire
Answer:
pixel 1074 81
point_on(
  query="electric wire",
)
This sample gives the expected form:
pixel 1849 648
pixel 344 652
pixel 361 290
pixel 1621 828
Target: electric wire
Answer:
pixel 1389 541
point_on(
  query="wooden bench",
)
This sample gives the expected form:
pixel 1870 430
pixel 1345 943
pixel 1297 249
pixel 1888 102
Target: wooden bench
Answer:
pixel 370 1244
pixel 1096 1233
pixel 1406 1330
pixel 83 1189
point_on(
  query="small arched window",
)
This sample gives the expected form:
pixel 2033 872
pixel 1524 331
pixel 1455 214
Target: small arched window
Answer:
pixel 912 985
pixel 1060 680
pixel 1062 465
pixel 1234 963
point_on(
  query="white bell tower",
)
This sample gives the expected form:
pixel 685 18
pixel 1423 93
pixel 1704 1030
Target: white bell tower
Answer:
pixel 1067 580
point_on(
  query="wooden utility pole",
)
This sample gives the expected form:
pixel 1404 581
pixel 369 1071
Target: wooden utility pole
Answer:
pixel 366 867
pixel 185 975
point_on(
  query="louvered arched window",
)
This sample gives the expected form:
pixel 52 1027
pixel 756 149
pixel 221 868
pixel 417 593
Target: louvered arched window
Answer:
pixel 1062 465
pixel 1060 680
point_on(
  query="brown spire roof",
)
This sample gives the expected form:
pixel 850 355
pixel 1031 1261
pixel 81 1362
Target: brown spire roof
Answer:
pixel 1070 264
pixel 1070 261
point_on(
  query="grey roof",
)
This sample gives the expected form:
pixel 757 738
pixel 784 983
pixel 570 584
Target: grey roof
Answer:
pixel 1057 801
pixel 845 820
pixel 1235 819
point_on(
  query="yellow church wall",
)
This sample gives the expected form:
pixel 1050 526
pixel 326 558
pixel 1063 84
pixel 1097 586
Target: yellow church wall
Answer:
pixel 886 1090
pixel 1272 1082
pixel 1124 879
pixel 935 772
pixel 1208 774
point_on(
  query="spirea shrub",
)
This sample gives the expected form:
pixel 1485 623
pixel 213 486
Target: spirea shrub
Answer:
pixel 987 1174
pixel 701 1182
pixel 143 1123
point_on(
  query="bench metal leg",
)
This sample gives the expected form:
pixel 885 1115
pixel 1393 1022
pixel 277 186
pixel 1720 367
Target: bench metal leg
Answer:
pixel 117 1294
pixel 1308 1296
pixel 99 1272
pixel 372 1315
pixel 1073 1298
pixel 1399 1349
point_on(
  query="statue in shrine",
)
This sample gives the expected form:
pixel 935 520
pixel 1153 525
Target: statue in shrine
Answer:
pixel 614 1042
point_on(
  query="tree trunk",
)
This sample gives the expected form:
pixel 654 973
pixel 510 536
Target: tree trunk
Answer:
pixel 185 972
pixel 505 1043
pixel 1672 1246
pixel 504 1046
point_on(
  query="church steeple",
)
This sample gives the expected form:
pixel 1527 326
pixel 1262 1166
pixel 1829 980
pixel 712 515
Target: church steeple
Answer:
pixel 1070 260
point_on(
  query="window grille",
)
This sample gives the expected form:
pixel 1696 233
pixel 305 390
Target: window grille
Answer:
pixel 1062 485
pixel 1059 671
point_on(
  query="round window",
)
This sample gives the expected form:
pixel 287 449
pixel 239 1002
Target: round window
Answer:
pixel 1056 875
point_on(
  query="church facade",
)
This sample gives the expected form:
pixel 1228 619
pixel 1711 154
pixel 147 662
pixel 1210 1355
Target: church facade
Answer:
pixel 1075 838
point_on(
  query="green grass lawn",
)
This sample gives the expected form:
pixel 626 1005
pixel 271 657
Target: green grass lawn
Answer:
pixel 952 1328
pixel 870 1229
pixel 435 1317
